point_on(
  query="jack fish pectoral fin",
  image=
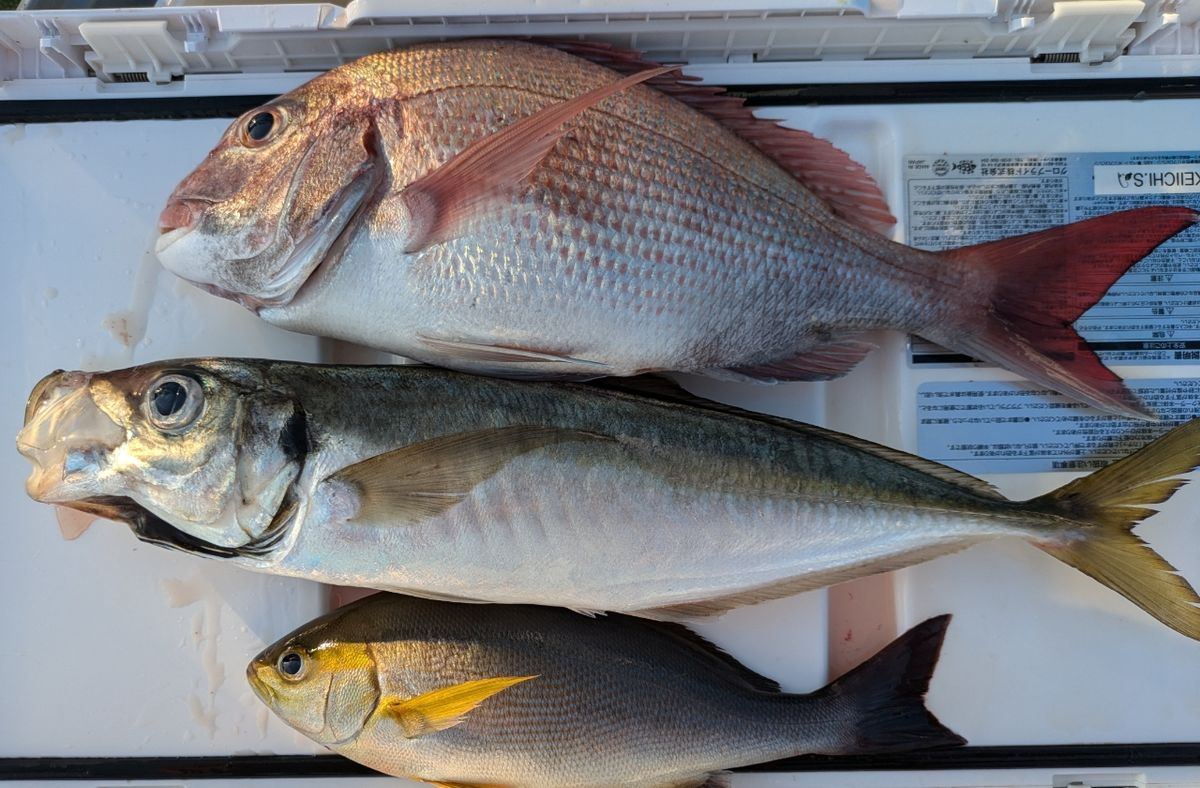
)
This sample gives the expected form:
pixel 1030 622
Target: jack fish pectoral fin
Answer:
pixel 467 350
pixel 824 362
pixel 446 707
pixel 423 480
pixel 444 199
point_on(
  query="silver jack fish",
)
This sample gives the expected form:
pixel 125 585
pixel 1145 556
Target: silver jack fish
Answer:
pixel 433 482
pixel 462 696
pixel 511 209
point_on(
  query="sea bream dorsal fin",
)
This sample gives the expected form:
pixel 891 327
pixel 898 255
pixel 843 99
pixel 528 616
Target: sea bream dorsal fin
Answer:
pixel 826 170
pixel 665 390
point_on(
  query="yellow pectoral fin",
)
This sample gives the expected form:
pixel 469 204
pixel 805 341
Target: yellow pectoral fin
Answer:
pixel 444 708
pixel 441 784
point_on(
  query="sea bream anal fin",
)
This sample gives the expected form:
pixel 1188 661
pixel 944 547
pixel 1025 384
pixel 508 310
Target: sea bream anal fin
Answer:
pixel 824 362
pixel 445 707
pixel 827 171
pixel 441 201
pixel 416 482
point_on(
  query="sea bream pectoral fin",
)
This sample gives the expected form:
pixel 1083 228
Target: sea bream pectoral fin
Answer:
pixel 420 481
pixel 442 200
pixel 446 707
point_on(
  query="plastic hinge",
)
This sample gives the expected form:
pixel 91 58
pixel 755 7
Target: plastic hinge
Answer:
pixel 133 51
pixel 1098 30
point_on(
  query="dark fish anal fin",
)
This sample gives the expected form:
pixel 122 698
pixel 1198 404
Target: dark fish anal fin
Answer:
pixel 484 351
pixel 1108 504
pixel 416 482
pixel 827 171
pixel 824 362
pixel 883 699
pixel 443 200
pixel 1041 283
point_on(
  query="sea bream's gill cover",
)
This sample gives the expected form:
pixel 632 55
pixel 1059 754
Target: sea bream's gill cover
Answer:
pixel 589 496
pixel 540 697
pixel 509 208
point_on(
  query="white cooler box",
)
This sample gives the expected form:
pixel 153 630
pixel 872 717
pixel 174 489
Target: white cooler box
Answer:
pixel 979 118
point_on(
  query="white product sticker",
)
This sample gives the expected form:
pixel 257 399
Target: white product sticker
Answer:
pixel 1151 315
pixel 986 427
pixel 1146 178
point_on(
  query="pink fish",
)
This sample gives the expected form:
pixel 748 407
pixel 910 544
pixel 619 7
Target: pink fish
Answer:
pixel 514 209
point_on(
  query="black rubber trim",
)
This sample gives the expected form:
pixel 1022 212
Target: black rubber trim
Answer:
pixel 169 108
pixel 1116 89
pixel 1066 758
pixel 176 107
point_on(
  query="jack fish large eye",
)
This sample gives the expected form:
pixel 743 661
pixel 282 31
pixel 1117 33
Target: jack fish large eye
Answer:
pixel 173 402
pixel 262 127
pixel 291 665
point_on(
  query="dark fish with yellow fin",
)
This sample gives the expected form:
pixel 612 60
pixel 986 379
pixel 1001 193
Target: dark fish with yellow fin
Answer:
pixel 530 696
pixel 511 209
pixel 437 483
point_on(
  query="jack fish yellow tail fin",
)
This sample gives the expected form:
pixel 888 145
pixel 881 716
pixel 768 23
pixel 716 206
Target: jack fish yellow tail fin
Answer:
pixel 1108 504
pixel 1037 286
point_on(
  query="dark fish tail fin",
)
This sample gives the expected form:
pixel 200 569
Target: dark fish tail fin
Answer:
pixel 1107 505
pixel 1040 284
pixel 882 701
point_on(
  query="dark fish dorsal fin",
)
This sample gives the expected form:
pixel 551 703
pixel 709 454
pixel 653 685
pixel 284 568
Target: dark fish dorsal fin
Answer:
pixel 689 639
pixel 825 170
pixel 664 390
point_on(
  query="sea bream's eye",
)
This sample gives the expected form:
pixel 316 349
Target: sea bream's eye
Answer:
pixel 261 127
pixel 173 402
pixel 291 665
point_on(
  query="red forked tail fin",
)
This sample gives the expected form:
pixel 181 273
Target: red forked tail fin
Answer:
pixel 1042 283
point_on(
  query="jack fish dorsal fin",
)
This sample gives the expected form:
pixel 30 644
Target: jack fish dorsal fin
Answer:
pixel 423 480
pixel 665 390
pixel 442 200
pixel 825 170
pixel 446 707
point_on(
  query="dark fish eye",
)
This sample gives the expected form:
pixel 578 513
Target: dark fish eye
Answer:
pixel 291 664
pixel 260 126
pixel 172 402
pixel 169 398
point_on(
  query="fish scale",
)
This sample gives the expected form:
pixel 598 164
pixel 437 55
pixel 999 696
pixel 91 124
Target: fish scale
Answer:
pixel 729 260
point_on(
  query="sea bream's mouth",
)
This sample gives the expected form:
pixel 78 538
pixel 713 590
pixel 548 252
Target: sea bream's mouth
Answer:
pixel 179 249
